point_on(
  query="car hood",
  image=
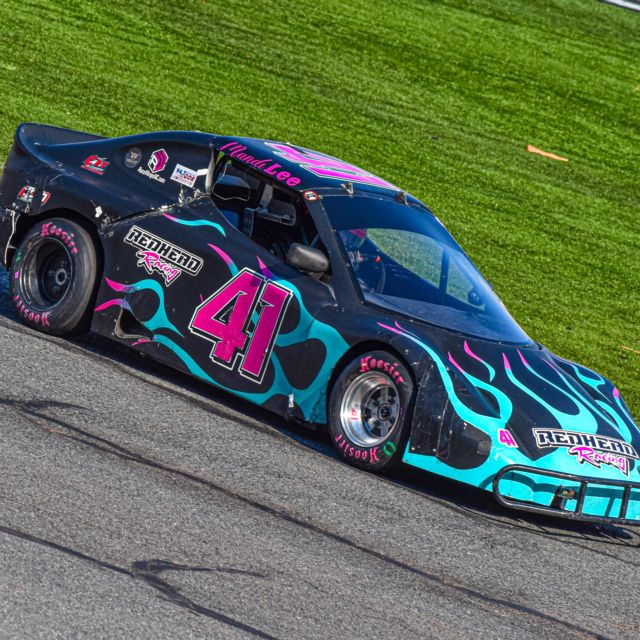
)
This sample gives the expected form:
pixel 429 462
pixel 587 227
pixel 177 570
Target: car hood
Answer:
pixel 527 404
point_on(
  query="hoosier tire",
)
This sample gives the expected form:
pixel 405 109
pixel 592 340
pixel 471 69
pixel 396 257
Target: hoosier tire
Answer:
pixel 370 411
pixel 53 277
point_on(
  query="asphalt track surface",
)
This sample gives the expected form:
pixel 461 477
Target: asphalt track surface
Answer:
pixel 138 503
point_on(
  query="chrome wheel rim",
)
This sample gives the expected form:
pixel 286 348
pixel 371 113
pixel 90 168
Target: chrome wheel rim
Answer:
pixel 370 409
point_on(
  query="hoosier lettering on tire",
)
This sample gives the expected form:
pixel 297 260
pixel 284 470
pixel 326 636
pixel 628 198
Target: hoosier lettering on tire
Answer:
pixel 370 411
pixel 53 277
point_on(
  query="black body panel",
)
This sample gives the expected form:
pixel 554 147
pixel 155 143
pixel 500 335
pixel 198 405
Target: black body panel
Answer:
pixel 202 284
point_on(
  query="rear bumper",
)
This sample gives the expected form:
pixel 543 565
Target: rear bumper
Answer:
pixel 566 495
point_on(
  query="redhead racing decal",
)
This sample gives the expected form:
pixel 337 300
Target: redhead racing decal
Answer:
pixel 592 448
pixel 160 256
pixel 158 160
pixel 505 437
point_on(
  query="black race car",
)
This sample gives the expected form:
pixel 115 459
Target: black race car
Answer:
pixel 319 291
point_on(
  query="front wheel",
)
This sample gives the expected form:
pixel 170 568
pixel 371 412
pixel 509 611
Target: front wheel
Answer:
pixel 370 411
pixel 53 277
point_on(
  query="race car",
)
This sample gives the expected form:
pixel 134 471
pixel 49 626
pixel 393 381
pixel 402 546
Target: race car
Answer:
pixel 319 291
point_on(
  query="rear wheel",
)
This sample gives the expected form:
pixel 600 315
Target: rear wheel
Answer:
pixel 53 277
pixel 370 411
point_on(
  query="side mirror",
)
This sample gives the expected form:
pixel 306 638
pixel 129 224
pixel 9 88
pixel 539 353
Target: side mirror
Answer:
pixel 229 187
pixel 307 258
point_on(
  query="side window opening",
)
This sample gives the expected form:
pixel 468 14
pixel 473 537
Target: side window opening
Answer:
pixel 234 189
pixel 283 221
pixel 272 217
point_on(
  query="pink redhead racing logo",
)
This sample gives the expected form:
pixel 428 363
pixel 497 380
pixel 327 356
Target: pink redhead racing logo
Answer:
pixel 598 458
pixel 151 261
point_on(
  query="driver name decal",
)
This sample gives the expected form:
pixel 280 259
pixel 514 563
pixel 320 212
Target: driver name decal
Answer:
pixel 591 448
pixel 267 165
pixel 162 257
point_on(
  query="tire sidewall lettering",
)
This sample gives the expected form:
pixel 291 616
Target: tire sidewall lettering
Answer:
pixel 372 454
pixel 70 314
pixel 385 454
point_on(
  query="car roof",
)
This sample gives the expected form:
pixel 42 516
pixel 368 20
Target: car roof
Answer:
pixel 299 168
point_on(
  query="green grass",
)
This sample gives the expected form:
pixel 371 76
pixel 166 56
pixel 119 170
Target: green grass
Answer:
pixel 441 98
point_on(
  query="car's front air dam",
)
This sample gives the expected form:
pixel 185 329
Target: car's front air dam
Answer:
pixel 567 495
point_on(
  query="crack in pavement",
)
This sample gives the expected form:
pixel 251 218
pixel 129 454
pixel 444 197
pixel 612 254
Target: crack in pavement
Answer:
pixel 445 583
pixel 148 571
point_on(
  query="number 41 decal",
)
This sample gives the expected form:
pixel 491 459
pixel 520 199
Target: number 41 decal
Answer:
pixel 226 318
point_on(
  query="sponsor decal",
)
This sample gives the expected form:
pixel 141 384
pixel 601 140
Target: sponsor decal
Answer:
pixel 132 158
pixel 184 175
pixel 368 364
pixel 26 195
pixel 95 164
pixel 591 448
pixel 311 196
pixel 157 163
pixel 266 165
pixel 162 257
pixel 158 160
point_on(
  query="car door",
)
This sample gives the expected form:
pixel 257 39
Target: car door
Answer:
pixel 206 297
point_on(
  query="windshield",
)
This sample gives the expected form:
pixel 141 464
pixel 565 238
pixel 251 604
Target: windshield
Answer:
pixel 404 259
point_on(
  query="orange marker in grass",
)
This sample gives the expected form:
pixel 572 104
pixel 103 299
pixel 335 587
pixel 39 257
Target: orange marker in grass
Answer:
pixel 546 154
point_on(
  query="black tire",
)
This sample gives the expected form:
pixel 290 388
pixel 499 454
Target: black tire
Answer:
pixel 370 410
pixel 53 277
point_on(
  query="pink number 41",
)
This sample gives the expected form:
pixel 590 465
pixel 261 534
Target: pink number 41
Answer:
pixel 228 319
